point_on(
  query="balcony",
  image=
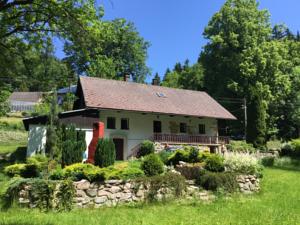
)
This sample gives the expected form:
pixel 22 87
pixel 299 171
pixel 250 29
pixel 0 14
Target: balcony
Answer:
pixel 190 139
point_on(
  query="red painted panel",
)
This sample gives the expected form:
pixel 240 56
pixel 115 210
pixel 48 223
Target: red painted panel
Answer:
pixel 98 132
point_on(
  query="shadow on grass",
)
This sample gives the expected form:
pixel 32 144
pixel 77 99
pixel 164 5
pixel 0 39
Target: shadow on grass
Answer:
pixel 19 155
pixel 287 168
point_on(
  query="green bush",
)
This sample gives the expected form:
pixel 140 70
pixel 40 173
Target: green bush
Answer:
pixel 190 171
pixel 73 145
pixel 124 174
pixel 240 146
pixel 22 170
pixel 178 155
pixel 214 163
pixel 152 165
pixel 79 171
pixel 147 147
pixel 202 156
pixel 268 161
pixel 291 149
pixel 164 156
pixel 170 182
pixel 193 155
pixel 214 181
pixel 105 154
pixel 41 161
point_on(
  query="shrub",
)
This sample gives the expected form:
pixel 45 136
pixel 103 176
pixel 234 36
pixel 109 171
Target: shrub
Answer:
pixel 73 145
pixel 147 147
pixel 57 174
pixel 80 171
pixel 22 170
pixel 214 181
pixel 190 171
pixel 214 163
pixel 179 155
pixel 164 156
pixel 41 161
pixel 193 155
pixel 291 149
pixel 105 153
pixel 152 165
pixel 240 146
pixel 268 161
pixel 242 163
pixel 202 156
pixel 287 162
pixel 167 184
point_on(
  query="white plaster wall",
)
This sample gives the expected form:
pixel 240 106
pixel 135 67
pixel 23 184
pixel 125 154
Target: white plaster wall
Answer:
pixel 141 126
pixel 36 139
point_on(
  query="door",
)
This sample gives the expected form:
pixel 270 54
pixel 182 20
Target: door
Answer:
pixel 119 145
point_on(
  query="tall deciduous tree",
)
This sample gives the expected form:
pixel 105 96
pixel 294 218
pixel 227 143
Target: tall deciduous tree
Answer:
pixel 241 61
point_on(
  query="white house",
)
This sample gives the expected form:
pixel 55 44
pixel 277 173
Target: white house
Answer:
pixel 134 112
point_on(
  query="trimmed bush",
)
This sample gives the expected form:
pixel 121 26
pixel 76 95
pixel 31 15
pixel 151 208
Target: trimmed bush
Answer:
pixel 268 161
pixel 41 161
pixel 22 170
pixel 79 171
pixel 105 154
pixel 179 155
pixel 73 145
pixel 147 147
pixel 242 163
pixel 214 163
pixel 152 165
pixel 164 156
pixel 240 146
pixel 214 181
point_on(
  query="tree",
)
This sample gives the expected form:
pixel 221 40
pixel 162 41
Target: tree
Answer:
pixel 185 77
pixel 112 49
pixel 240 60
pixel 4 106
pixel 105 154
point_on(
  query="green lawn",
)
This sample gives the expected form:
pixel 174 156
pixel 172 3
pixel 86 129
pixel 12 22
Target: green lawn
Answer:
pixel 278 203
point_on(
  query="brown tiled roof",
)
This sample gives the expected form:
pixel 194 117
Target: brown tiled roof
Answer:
pixel 26 96
pixel 121 95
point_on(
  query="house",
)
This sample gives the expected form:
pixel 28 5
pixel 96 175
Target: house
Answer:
pixel 24 101
pixel 134 112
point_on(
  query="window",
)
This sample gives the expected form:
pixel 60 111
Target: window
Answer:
pixel 111 123
pixel 157 126
pixel 124 124
pixel 201 128
pixel 182 127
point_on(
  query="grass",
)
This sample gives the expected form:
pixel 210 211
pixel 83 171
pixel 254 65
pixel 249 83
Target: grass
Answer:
pixel 278 203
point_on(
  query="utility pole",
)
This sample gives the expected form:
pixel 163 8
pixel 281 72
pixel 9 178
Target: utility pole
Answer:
pixel 245 115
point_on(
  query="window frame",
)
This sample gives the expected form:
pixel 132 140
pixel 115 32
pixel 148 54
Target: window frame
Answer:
pixel 203 130
pixel 183 128
pixel 114 123
pixel 154 126
pixel 127 124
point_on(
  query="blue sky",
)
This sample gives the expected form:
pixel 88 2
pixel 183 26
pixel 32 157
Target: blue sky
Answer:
pixel 174 27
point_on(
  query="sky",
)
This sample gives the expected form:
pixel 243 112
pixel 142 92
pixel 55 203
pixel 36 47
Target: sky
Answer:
pixel 174 27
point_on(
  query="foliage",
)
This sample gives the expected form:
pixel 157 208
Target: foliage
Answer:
pixel 73 145
pixel 287 163
pixel 23 170
pixel 4 106
pixel 147 147
pixel 185 77
pixel 242 163
pixel 164 156
pixel 268 161
pixel 79 171
pixel 214 181
pixel 105 153
pixel 214 163
pixel 190 171
pixel 41 161
pixel 240 146
pixel 178 155
pixel 64 195
pixel 274 145
pixel 169 182
pixel 41 193
pixel 152 165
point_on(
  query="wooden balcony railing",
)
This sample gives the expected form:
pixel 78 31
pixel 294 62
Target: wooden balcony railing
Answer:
pixel 190 139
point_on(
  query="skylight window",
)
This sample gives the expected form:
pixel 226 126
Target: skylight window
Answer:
pixel 161 95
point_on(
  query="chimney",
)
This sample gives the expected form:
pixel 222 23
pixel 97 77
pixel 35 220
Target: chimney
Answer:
pixel 126 77
pixel 155 82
